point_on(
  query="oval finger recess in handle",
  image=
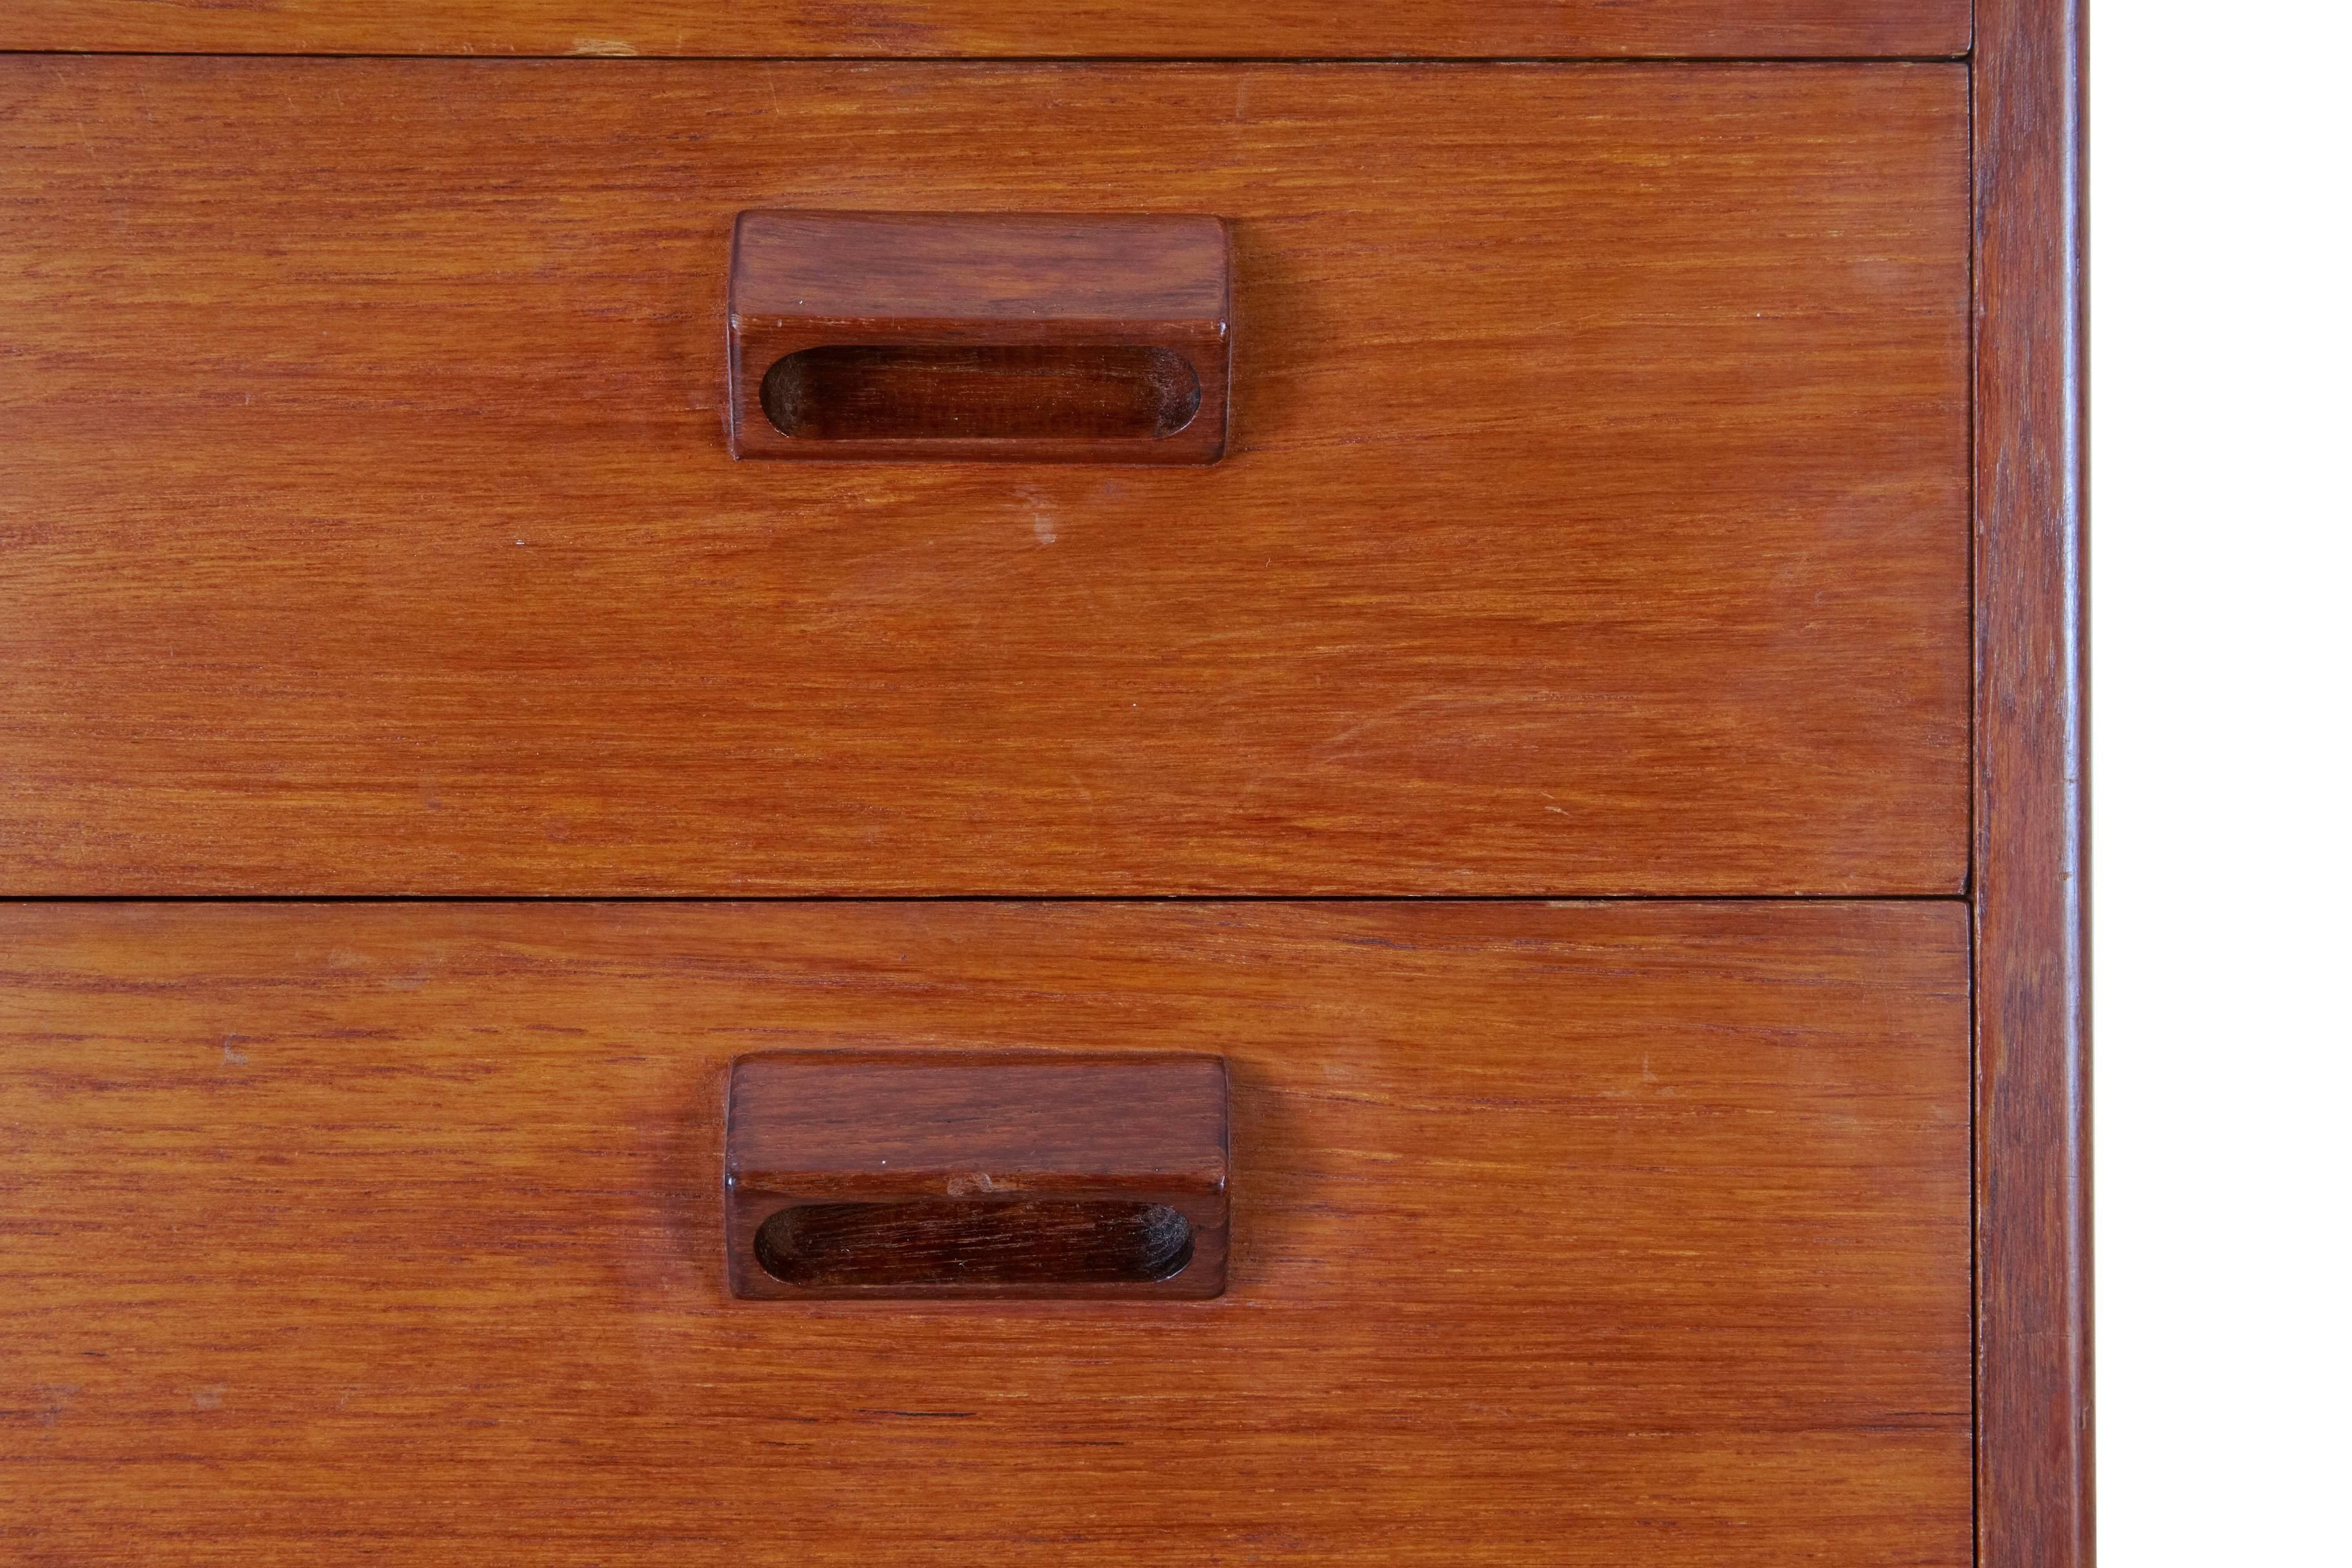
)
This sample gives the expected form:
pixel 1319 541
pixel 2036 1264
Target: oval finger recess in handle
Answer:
pixel 1035 338
pixel 923 1174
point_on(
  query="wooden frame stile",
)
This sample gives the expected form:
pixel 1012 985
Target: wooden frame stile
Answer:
pixel 2031 902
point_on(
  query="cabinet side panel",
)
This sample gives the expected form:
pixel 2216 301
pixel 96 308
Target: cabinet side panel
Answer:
pixel 2033 1342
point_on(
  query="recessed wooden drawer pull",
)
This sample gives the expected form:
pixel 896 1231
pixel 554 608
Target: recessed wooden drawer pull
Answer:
pixel 975 1241
pixel 992 391
pixel 1033 338
pixel 982 1175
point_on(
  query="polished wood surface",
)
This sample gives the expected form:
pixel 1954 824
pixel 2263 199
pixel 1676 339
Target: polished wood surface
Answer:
pixel 1581 1234
pixel 1595 519
pixel 1215 29
pixel 998 337
pixel 964 1173
pixel 2033 1113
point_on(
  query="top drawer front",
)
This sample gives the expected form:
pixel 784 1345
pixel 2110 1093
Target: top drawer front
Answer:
pixel 1595 517
pixel 1216 29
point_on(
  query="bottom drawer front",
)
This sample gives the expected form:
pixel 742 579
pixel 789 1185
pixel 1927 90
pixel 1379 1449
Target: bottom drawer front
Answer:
pixel 1588 1234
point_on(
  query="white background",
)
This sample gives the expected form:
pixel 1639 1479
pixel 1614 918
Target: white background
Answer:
pixel 2221 189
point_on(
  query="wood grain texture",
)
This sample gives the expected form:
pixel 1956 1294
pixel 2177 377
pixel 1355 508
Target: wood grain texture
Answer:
pixel 1583 1235
pixel 1000 337
pixel 2030 893
pixel 1215 29
pixel 1595 520
pixel 937 1146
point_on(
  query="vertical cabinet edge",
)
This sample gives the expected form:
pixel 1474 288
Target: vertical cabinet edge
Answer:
pixel 2034 1505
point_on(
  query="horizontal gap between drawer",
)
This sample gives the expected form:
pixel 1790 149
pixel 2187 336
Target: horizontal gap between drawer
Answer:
pixel 1174 60
pixel 1528 898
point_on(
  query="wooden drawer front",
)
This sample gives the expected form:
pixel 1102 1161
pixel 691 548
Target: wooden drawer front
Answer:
pixel 1580 1235
pixel 1594 521
pixel 1213 29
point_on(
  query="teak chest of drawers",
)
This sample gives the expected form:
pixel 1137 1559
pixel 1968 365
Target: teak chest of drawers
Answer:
pixel 970 782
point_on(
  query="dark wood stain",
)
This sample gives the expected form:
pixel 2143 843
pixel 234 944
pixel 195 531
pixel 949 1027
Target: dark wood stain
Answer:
pixel 2034 1156
pixel 956 1246
pixel 921 394
pixel 966 1174
pixel 1004 337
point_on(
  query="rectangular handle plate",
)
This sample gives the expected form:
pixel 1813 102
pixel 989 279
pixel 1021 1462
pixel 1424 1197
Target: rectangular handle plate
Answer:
pixel 1039 338
pixel 929 1173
